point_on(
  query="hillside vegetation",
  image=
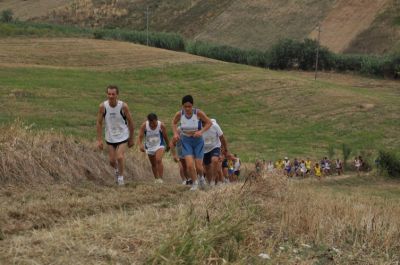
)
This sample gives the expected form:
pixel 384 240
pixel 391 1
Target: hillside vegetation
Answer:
pixel 59 205
pixel 56 219
pixel 58 83
pixel 347 26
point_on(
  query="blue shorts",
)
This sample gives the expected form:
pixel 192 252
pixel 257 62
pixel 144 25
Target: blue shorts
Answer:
pixel 179 149
pixel 207 156
pixel 192 146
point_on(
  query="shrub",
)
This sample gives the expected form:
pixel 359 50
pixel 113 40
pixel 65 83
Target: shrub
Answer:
pixel 6 16
pixel 170 41
pixel 285 54
pixel 346 151
pixel 389 163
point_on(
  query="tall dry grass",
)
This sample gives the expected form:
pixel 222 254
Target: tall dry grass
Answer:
pixel 293 222
pixel 29 157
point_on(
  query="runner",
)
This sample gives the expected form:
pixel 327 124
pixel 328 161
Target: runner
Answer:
pixel 156 141
pixel 288 167
pixel 357 165
pixel 339 167
pixel 224 166
pixel 296 165
pixel 270 167
pixel 192 141
pixel 119 130
pixel 317 171
pixel 176 149
pixel 327 168
pixel 308 166
pixel 214 141
pixel 303 168
pixel 236 166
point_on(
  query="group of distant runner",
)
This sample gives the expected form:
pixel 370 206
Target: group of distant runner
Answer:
pixel 198 143
pixel 304 168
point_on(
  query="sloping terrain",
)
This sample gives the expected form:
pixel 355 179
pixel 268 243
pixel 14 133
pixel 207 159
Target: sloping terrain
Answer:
pixel 347 26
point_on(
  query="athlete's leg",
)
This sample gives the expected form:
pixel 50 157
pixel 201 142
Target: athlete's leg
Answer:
pixel 120 157
pixel 112 156
pixel 152 159
pixel 214 168
pixel 160 167
pixel 190 169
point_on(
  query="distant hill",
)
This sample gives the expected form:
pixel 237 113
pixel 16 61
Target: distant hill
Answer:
pixel 360 26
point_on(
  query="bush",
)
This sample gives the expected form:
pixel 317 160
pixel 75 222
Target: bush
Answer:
pixel 285 54
pixel 389 163
pixel 6 16
pixel 347 62
pixel 170 41
pixel 346 151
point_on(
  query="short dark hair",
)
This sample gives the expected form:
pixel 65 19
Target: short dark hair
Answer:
pixel 152 117
pixel 187 98
pixel 112 87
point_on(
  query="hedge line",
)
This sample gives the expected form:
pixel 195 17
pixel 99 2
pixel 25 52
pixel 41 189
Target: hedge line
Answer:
pixel 286 54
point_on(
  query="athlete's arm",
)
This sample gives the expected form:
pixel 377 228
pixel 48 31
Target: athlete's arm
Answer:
pixel 175 121
pixel 99 126
pixel 131 125
pixel 224 145
pixel 140 137
pixel 165 135
pixel 206 121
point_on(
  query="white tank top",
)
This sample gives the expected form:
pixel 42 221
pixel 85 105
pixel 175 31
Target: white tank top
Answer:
pixel 190 124
pixel 153 138
pixel 116 128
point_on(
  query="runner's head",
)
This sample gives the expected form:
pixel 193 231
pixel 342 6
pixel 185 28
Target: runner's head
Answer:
pixel 153 120
pixel 187 104
pixel 112 93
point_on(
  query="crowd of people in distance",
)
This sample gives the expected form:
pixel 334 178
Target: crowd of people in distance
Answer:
pixel 305 167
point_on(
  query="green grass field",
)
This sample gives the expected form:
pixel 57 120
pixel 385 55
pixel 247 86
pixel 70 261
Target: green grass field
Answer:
pixel 69 212
pixel 264 114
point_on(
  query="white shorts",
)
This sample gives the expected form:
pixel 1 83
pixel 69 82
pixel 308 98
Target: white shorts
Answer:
pixel 154 150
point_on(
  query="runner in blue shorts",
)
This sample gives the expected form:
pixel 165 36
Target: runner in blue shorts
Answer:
pixel 191 120
pixel 214 140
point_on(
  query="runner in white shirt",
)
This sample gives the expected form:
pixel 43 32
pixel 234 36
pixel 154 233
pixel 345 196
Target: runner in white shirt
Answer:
pixel 155 141
pixel 119 129
pixel 213 141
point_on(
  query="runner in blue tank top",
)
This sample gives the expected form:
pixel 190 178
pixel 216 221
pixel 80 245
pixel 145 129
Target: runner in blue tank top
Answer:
pixel 190 120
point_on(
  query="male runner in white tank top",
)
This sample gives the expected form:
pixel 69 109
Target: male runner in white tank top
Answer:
pixel 156 140
pixel 119 130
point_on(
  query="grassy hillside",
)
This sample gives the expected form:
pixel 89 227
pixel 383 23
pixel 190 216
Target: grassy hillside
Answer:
pixel 347 26
pixel 263 113
pixel 58 204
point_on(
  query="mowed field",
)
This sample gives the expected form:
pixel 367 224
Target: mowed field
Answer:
pixel 59 83
pixel 57 216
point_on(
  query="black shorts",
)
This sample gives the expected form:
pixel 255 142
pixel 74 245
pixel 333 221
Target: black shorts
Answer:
pixel 225 163
pixel 115 145
pixel 237 173
pixel 207 156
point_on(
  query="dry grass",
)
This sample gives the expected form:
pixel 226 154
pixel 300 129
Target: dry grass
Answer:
pixel 293 222
pixel 47 157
